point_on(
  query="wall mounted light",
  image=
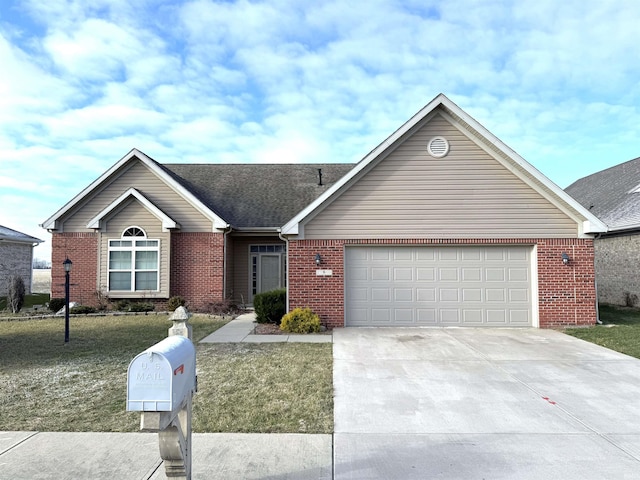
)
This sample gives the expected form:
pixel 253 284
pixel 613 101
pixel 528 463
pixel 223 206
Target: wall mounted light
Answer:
pixel 318 259
pixel 565 258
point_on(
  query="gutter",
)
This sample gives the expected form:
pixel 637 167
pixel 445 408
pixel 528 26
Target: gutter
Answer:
pixel 225 262
pixel 286 270
pixel 595 281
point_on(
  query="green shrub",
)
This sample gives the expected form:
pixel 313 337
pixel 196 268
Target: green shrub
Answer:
pixel 300 320
pixel 175 302
pixel 142 307
pixel 270 306
pixel 55 304
pixel 122 305
pixel 82 310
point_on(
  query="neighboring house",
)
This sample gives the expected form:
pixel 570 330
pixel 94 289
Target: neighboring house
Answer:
pixel 16 257
pixel 441 224
pixel 613 195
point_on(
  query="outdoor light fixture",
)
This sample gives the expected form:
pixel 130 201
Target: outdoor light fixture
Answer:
pixel 565 258
pixel 318 259
pixel 67 269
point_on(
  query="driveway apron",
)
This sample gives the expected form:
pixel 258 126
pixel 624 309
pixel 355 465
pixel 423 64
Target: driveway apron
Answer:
pixel 482 403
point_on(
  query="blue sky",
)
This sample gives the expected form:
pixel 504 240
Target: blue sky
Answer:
pixel 84 81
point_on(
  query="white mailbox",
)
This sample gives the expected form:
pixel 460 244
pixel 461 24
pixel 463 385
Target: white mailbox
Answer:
pixel 161 377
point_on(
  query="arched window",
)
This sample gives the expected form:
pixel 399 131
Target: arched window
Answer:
pixel 134 262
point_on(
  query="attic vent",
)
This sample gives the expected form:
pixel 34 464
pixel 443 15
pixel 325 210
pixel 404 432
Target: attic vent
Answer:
pixel 438 147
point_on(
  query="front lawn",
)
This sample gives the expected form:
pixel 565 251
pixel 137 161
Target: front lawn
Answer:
pixel 48 386
pixel 620 330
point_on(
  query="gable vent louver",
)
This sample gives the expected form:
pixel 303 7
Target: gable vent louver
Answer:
pixel 438 147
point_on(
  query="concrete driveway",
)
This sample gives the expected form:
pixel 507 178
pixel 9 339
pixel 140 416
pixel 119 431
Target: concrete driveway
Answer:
pixel 482 403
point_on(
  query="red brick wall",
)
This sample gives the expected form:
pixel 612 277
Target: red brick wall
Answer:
pixel 82 250
pixel 197 262
pixel 566 293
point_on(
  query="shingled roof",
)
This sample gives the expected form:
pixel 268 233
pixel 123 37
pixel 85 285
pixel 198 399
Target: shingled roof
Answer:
pixel 256 195
pixel 613 195
pixel 15 236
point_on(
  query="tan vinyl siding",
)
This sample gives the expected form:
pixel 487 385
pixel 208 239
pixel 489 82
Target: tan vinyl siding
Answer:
pixel 138 176
pixel 117 224
pixel 239 287
pixel 466 194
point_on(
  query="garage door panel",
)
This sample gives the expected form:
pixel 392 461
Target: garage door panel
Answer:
pixel 425 295
pixel 472 317
pixel 518 274
pixel 403 294
pixel 471 274
pixel 421 285
pixel 472 295
pixel 518 295
pixel 403 274
pixel 448 274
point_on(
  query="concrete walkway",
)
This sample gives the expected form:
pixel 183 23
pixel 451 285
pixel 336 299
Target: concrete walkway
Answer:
pixel 135 456
pixel 241 329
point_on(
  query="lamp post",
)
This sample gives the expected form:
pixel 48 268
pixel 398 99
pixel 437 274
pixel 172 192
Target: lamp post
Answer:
pixel 67 269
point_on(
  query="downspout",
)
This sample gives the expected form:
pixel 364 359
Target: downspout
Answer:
pixel 224 262
pixel 286 270
pixel 595 281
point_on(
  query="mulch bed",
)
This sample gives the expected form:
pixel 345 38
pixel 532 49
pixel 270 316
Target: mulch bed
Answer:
pixel 273 329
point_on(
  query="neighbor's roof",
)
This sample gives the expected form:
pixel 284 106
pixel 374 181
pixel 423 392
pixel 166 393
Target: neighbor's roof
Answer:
pixel 257 195
pixel 15 236
pixel 613 195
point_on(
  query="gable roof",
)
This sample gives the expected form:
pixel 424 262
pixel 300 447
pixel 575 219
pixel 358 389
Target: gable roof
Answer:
pixel 257 195
pixel 242 196
pixel 613 195
pixel 167 221
pixel 51 223
pixel 490 143
pixel 11 235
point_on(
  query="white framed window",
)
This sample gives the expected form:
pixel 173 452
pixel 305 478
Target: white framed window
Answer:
pixel 134 262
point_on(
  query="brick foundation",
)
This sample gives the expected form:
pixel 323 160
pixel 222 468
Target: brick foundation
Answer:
pixel 566 293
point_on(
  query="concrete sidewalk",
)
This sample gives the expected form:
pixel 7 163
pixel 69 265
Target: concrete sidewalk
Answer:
pixel 241 329
pixel 135 456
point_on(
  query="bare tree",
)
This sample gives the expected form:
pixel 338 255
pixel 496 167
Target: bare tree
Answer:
pixel 15 297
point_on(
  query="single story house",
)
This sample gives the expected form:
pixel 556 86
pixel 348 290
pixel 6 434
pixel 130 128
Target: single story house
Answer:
pixel 16 257
pixel 613 195
pixel 441 224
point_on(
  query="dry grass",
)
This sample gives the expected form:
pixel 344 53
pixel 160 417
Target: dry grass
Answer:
pixel 47 386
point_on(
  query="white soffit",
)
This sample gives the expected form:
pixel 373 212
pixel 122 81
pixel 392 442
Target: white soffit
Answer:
pixel 167 222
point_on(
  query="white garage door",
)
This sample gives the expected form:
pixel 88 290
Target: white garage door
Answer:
pixel 440 286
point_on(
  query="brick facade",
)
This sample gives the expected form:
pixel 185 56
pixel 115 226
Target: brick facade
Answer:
pixel 15 259
pixel 617 259
pixel 197 265
pixel 566 293
pixel 82 250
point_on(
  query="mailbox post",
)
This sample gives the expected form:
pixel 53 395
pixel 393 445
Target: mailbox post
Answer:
pixel 161 382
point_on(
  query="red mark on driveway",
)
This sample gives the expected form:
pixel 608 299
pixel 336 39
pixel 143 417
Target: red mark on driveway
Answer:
pixel 549 400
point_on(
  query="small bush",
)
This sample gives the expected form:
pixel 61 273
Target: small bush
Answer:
pixel 300 320
pixel 141 307
pixel 122 305
pixel 224 307
pixel 55 304
pixel 175 302
pixel 82 310
pixel 270 306
pixel 15 296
